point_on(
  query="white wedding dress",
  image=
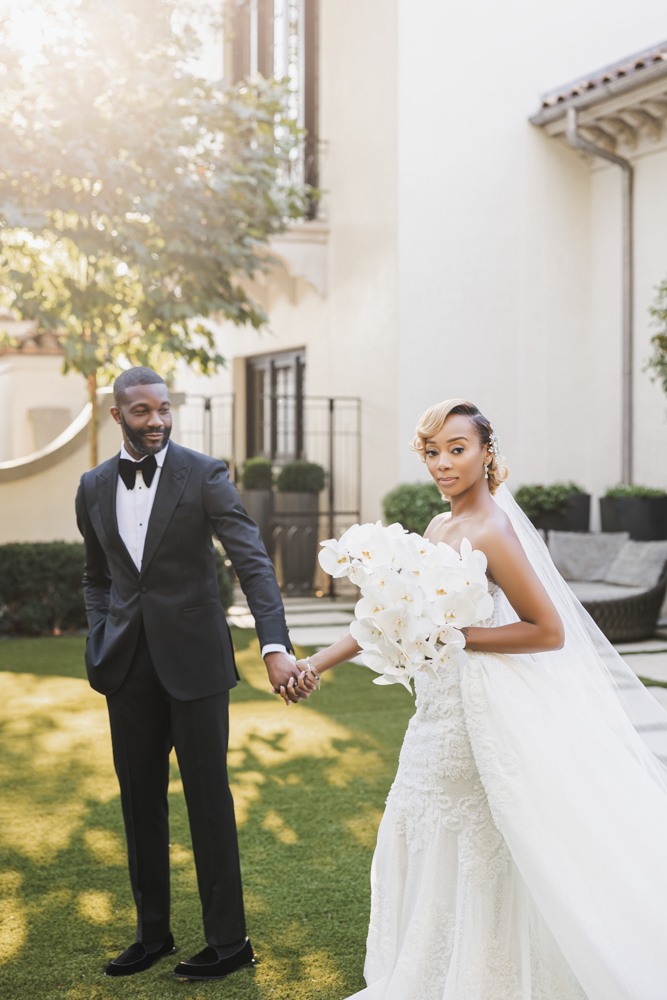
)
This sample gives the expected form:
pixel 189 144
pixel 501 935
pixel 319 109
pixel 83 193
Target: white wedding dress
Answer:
pixel 523 851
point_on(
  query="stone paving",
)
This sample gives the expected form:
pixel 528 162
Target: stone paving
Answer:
pixel 319 621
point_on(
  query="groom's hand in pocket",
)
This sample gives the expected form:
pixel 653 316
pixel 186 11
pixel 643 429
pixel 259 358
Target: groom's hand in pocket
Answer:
pixel 284 675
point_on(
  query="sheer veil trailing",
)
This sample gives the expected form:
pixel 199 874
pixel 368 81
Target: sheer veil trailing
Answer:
pixel 572 753
pixel 588 667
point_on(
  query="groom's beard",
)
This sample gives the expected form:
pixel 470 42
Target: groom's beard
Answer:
pixel 138 439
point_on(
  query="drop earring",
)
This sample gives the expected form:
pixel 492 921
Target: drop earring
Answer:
pixel 486 472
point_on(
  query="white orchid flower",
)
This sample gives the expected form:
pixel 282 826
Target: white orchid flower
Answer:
pixel 419 648
pixel 446 633
pixel 406 590
pixel 366 633
pixel 397 623
pixel 334 560
pixel 371 545
pixel 371 603
pixel 454 609
pixel 423 546
pixel 383 577
pixel 395 530
pixel 451 655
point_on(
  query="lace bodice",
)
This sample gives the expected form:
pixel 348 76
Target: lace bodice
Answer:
pixel 442 857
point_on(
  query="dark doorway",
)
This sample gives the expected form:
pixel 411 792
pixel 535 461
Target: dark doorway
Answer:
pixel 275 385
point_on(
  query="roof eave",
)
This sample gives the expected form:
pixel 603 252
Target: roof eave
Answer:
pixel 615 88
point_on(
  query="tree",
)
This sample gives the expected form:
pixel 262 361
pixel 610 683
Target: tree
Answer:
pixel 135 192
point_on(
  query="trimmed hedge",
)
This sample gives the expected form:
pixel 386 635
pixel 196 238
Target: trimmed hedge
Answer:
pixel 625 490
pixel 414 505
pixel 41 587
pixel 301 477
pixel 257 474
pixel 538 499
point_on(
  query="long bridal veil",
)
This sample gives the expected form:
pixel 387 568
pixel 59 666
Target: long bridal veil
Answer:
pixel 588 667
pixel 572 753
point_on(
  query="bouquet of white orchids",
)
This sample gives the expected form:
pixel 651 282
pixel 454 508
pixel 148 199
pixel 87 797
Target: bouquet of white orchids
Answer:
pixel 416 597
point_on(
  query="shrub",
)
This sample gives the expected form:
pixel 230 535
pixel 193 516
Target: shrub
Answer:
pixel 625 490
pixel 301 477
pixel 41 588
pixel 537 499
pixel 225 584
pixel 414 505
pixel 257 474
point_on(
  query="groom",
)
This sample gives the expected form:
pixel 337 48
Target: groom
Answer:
pixel 159 648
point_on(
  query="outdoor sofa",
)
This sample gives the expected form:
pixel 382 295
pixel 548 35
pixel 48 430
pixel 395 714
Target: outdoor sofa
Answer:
pixel 621 583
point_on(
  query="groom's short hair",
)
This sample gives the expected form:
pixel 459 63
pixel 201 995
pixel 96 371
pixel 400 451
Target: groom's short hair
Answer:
pixel 134 376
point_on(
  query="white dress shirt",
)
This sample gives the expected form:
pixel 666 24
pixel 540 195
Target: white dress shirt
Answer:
pixel 133 507
pixel 133 511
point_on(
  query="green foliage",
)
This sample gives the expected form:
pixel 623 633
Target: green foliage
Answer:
pixel 225 585
pixel 414 505
pixel 537 499
pixel 657 363
pixel 626 490
pixel 257 474
pixel 41 589
pixel 134 193
pixel 301 477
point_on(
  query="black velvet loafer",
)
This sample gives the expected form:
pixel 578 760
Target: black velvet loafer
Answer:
pixel 207 965
pixel 136 958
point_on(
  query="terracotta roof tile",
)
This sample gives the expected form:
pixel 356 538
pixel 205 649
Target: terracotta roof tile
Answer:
pixel 608 74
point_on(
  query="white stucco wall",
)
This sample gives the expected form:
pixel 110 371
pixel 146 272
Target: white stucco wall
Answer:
pixel 509 243
pixel 28 381
pixel 351 331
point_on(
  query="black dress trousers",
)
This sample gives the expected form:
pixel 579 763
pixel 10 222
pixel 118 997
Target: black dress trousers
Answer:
pixel 145 723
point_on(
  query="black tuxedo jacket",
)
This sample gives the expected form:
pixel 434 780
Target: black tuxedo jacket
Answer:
pixel 176 594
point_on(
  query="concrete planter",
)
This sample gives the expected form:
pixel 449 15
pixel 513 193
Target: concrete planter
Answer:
pixel 575 517
pixel 258 504
pixel 644 517
pixel 295 537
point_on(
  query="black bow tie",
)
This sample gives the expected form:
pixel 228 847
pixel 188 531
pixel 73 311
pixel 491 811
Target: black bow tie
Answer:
pixel 128 470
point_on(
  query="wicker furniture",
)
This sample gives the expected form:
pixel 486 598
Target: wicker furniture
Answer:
pixel 621 583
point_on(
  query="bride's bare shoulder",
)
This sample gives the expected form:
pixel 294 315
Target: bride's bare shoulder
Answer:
pixel 493 531
pixel 437 523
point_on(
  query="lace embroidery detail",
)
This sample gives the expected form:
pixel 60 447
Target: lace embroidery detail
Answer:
pixel 448 911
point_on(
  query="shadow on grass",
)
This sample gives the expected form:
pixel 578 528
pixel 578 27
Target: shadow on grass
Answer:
pixel 309 786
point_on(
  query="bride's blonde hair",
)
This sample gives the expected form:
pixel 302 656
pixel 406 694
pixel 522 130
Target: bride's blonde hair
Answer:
pixel 431 423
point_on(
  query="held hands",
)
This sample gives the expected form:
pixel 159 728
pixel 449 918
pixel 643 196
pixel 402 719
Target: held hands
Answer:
pixel 285 678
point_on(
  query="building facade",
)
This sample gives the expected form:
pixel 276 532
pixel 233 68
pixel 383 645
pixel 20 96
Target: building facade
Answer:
pixel 461 246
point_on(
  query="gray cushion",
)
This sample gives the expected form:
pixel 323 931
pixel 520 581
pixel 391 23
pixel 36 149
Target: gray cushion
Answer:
pixel 580 556
pixel 592 590
pixel 638 564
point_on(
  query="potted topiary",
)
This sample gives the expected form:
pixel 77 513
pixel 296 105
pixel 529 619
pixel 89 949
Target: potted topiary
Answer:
pixel 296 523
pixel 559 507
pixel 414 505
pixel 640 510
pixel 256 495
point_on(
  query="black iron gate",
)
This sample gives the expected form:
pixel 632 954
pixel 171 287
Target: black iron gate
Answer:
pixel 322 429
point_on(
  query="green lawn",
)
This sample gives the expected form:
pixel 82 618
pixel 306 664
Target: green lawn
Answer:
pixel 309 785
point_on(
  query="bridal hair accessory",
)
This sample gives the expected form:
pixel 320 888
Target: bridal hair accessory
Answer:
pixel 494 443
pixel 415 598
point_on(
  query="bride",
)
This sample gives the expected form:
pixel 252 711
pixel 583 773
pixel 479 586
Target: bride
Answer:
pixel 523 851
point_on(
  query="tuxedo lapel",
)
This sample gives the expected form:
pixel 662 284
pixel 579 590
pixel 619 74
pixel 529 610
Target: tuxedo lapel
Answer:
pixel 173 477
pixel 107 482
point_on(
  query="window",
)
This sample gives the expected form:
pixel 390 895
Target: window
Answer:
pixel 280 38
pixel 275 386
